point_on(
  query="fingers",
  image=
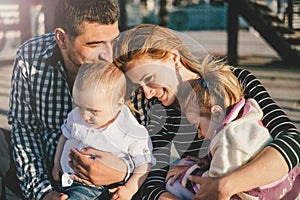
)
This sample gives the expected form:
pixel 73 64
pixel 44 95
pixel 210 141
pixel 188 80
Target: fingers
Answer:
pixel 63 196
pixel 115 196
pixel 81 180
pixel 113 190
pixel 115 193
pixel 172 174
pixel 195 179
pixel 192 158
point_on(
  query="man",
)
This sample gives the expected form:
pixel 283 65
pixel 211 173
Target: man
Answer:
pixel 43 75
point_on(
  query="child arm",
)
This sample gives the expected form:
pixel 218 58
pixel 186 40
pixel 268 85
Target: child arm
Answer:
pixel 57 171
pixel 133 184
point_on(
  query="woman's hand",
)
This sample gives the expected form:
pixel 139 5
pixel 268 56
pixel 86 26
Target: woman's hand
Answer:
pixel 174 173
pixel 102 168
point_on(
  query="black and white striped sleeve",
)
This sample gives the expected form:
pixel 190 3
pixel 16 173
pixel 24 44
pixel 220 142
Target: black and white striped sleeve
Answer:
pixel 286 136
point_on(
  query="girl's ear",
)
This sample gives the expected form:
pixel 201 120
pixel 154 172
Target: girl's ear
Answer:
pixel 61 37
pixel 217 113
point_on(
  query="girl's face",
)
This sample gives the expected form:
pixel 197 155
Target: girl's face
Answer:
pixel 95 107
pixel 205 125
pixel 158 78
pixel 200 122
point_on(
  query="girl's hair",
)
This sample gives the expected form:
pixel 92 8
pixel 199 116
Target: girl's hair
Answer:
pixel 152 41
pixel 70 14
pixel 217 85
pixel 102 75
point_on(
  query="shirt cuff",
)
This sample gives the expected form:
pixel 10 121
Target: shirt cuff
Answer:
pixel 130 166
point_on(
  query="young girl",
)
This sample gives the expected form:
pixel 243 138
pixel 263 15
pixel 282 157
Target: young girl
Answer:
pixel 216 106
pixel 102 121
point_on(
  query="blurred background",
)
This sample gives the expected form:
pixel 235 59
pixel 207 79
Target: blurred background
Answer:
pixel 260 35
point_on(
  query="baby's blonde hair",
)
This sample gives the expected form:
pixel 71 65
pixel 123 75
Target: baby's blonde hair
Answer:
pixel 221 87
pixel 104 75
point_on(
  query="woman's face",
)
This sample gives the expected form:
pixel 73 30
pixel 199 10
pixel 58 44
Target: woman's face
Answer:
pixel 158 78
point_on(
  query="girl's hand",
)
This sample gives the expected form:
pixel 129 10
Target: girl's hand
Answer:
pixel 175 172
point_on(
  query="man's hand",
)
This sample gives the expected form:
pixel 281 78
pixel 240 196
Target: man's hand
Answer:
pixel 94 167
pixel 53 195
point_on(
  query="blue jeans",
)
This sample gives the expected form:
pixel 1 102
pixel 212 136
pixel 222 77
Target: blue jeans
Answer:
pixel 84 192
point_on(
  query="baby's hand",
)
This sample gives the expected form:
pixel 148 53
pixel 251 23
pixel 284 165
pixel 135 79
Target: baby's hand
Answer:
pixel 56 172
pixel 121 192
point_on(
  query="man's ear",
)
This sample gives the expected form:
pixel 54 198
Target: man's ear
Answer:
pixel 217 113
pixel 61 37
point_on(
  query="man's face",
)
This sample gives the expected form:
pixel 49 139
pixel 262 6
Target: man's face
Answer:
pixel 94 36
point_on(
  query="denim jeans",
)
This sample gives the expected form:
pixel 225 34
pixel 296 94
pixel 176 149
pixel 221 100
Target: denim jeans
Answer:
pixel 84 192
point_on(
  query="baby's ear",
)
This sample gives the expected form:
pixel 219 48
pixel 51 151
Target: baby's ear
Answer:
pixel 118 105
pixel 217 113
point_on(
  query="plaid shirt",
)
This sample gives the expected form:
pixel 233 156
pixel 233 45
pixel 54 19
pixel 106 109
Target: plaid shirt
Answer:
pixel 39 102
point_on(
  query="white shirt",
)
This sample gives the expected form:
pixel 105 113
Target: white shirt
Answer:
pixel 124 136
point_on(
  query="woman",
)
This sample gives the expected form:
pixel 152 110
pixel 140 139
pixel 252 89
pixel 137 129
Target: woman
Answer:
pixel 156 59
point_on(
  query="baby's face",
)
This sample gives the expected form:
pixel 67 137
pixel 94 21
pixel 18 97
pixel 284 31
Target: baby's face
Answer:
pixel 95 107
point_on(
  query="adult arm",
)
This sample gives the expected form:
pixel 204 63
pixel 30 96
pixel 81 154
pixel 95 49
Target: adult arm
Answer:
pixel 167 125
pixel 280 156
pixel 286 138
pixel 26 139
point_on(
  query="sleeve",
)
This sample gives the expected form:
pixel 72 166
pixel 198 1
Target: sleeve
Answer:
pixel 142 106
pixel 67 126
pixel 27 143
pixel 286 136
pixel 167 126
pixel 154 185
pixel 130 166
pixel 141 150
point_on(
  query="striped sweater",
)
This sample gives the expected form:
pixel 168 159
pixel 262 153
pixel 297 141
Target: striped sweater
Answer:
pixel 166 125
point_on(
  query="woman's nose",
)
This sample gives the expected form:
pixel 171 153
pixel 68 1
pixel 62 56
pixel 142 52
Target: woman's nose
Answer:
pixel 149 92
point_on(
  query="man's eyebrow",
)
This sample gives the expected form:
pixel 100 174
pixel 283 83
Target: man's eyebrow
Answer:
pixel 100 42
pixel 94 42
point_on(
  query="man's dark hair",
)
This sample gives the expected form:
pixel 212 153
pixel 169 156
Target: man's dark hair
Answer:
pixel 70 14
